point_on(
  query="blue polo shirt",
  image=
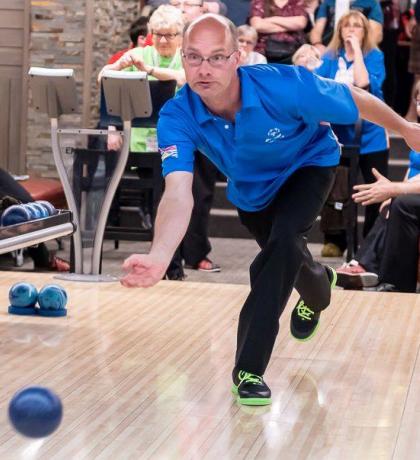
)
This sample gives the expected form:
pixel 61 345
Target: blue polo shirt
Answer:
pixel 373 137
pixel 277 131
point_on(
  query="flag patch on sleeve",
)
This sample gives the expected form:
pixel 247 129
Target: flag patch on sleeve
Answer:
pixel 170 151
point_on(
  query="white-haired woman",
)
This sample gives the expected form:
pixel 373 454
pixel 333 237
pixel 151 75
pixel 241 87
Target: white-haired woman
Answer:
pixel 247 40
pixel 161 61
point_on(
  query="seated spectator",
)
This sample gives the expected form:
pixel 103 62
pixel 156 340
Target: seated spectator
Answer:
pixel 323 30
pixel 161 61
pixel 389 254
pixel 280 26
pixel 247 39
pixel 11 192
pixel 353 58
pixel 307 56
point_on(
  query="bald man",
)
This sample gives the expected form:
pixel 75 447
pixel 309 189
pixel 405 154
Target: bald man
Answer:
pixel 265 127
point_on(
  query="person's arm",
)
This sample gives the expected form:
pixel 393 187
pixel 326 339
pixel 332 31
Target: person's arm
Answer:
pixel 383 189
pixel 165 74
pixel 374 110
pixel 315 36
pixel 376 30
pixel 173 216
pixel 360 72
pixel 265 26
pixel 289 22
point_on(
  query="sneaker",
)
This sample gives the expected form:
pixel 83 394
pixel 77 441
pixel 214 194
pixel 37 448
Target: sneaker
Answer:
pixel 331 250
pixel 304 321
pixel 205 265
pixel 352 275
pixel 250 389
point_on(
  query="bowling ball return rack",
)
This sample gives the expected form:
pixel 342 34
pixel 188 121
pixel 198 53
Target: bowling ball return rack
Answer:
pixel 33 232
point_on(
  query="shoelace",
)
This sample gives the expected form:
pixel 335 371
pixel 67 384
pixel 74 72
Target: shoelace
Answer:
pixel 249 378
pixel 304 312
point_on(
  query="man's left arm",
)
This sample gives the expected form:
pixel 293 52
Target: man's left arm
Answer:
pixel 374 110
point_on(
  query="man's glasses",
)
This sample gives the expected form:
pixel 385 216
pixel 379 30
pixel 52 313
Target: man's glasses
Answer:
pixel 186 4
pixel 217 60
pixel 168 37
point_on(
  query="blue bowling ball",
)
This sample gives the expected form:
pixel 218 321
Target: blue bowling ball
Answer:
pixel 41 209
pixel 35 412
pixel 15 214
pixel 52 300
pixel 34 211
pixel 23 295
pixel 48 206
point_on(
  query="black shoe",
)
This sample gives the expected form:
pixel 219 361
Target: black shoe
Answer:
pixel 304 321
pixel 251 390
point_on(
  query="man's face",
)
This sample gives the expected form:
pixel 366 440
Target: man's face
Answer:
pixel 166 41
pixel 209 78
pixel 191 9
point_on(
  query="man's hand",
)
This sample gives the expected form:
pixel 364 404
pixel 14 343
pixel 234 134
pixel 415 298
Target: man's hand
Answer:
pixel 143 270
pixel 114 139
pixel 376 192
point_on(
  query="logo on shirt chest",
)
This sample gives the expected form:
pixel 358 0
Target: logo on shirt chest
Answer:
pixel 273 135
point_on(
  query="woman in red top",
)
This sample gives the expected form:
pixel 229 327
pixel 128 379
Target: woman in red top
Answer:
pixel 280 25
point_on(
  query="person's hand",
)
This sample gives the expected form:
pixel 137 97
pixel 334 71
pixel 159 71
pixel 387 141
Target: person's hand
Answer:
pixel 243 57
pixel 143 270
pixel 376 192
pixel 114 139
pixel 411 134
pixel 409 27
pixel 384 207
pixel 321 48
pixel 354 43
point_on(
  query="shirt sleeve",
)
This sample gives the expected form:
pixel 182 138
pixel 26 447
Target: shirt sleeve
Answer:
pixel 376 13
pixel 375 66
pixel 176 145
pixel 322 10
pixel 257 9
pixel 321 99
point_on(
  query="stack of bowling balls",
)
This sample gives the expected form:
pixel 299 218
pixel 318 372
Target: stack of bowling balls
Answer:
pixel 20 213
pixel 51 300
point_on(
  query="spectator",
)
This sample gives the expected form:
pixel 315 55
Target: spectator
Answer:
pixel 247 39
pixel 307 56
pixel 323 30
pixel 280 28
pixel 161 61
pixel 353 58
pixel 389 253
pixel 413 32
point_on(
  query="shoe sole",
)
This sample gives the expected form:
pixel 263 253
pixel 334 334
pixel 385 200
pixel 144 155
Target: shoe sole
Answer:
pixel 250 401
pixel 359 281
pixel 211 270
pixel 333 283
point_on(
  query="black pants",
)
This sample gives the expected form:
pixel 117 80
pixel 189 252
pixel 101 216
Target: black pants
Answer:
pixel 196 245
pixel 10 187
pixel 400 256
pixel 371 250
pixel 283 263
pixel 379 161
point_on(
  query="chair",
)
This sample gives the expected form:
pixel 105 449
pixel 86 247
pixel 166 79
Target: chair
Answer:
pixel 142 181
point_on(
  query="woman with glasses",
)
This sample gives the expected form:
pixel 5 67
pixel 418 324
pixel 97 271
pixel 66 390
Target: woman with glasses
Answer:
pixel 353 58
pixel 162 61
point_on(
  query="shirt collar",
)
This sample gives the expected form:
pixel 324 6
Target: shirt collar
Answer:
pixel 248 95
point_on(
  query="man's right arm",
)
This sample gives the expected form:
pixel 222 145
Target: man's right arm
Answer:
pixel 173 216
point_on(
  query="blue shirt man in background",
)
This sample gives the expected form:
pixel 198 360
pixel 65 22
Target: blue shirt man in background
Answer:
pixel 266 128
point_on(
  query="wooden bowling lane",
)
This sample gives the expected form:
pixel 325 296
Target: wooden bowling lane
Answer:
pixel 146 374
